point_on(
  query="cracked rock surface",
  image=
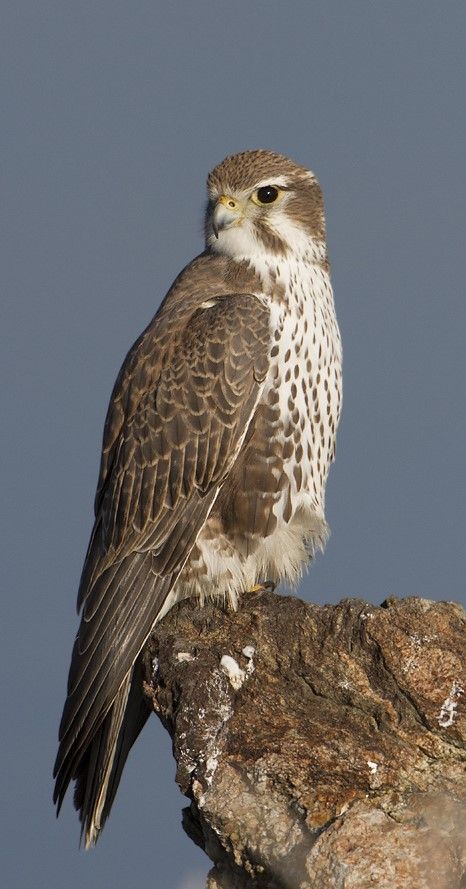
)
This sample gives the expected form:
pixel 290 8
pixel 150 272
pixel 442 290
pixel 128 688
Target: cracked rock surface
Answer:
pixel 320 746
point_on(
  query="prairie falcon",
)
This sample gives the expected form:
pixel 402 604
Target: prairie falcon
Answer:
pixel 216 449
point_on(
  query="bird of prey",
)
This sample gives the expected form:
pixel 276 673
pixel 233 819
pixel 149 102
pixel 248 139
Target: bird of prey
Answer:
pixel 216 449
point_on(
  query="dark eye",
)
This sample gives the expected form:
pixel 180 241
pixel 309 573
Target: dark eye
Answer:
pixel 267 194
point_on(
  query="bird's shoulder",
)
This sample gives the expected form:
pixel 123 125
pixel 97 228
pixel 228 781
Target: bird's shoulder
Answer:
pixel 210 296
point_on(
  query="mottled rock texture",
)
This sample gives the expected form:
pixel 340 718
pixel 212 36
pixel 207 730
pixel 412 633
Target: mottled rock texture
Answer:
pixel 327 749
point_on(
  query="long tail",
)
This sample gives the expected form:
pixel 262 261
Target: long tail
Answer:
pixel 100 770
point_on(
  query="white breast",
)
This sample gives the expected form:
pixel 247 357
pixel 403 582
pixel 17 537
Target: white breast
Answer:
pixel 305 371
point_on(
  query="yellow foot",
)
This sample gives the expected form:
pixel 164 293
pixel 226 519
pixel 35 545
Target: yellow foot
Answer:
pixel 267 586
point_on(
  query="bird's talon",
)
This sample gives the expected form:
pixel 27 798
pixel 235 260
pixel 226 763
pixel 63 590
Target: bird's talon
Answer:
pixel 266 586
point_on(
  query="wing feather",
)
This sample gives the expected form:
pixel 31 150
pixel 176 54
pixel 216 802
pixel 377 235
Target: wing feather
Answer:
pixel 179 412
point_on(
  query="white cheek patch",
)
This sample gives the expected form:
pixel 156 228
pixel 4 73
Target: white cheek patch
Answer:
pixel 286 229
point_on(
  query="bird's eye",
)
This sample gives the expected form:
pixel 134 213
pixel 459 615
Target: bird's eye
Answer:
pixel 267 194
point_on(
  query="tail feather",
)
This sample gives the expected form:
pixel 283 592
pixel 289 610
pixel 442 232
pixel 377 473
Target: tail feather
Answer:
pixel 101 768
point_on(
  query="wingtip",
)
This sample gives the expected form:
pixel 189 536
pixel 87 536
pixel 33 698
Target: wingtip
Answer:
pixel 91 835
pixel 58 796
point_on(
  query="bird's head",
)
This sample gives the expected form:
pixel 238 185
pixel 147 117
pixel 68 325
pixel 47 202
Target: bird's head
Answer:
pixel 262 204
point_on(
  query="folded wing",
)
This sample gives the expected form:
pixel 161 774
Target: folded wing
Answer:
pixel 177 419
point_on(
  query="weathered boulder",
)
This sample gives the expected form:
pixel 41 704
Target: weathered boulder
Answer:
pixel 320 746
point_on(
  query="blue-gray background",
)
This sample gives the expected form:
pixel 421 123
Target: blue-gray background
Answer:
pixel 113 114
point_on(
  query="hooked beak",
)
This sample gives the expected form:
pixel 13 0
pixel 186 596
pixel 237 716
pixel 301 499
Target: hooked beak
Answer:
pixel 227 212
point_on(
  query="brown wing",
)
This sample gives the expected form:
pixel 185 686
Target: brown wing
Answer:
pixel 176 422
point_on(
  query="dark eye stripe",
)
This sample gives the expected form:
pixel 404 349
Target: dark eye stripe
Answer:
pixel 267 194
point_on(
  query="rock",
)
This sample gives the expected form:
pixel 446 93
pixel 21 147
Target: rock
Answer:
pixel 320 746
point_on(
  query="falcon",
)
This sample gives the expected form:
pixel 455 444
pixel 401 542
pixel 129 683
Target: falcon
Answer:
pixel 216 449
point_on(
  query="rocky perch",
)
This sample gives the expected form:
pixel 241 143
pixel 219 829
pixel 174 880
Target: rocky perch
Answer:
pixel 320 746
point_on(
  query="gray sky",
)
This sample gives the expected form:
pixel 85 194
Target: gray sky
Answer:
pixel 113 114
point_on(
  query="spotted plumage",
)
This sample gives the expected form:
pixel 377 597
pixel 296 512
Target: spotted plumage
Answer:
pixel 217 445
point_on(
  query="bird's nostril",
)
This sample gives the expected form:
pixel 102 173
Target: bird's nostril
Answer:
pixel 232 204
